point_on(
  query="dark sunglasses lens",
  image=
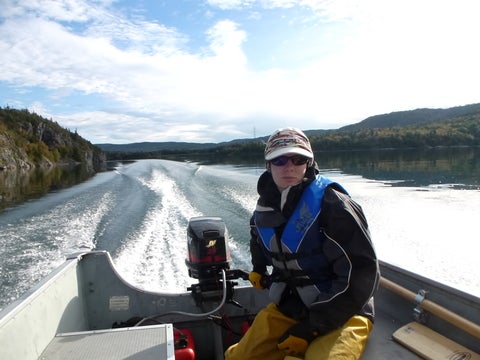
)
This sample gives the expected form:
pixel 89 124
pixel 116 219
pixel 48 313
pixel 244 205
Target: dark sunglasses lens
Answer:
pixel 283 160
pixel 299 160
pixel 280 161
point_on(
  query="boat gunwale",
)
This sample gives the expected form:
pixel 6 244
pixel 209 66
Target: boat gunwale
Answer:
pixel 37 289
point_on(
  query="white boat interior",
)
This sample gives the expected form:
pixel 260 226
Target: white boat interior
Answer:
pixel 85 310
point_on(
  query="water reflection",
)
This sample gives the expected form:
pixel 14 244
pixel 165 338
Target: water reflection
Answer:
pixel 19 186
pixel 453 167
pixel 458 168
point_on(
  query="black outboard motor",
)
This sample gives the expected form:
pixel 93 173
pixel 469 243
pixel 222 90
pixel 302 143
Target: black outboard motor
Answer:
pixel 208 252
pixel 209 257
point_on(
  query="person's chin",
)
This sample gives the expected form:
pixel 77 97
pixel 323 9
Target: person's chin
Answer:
pixel 290 181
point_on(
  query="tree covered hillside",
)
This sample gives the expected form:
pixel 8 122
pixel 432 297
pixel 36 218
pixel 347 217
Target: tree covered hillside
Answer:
pixel 458 131
pixel 414 117
pixel 28 140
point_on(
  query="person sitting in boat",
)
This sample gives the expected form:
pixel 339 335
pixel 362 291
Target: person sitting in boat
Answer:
pixel 324 267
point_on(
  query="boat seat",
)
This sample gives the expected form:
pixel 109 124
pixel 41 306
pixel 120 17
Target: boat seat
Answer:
pixel 431 345
pixel 133 343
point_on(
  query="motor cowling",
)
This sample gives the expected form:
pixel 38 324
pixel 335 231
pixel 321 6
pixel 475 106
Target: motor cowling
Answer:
pixel 208 251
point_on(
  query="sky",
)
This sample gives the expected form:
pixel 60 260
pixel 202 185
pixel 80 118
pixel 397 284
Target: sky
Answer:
pixel 216 70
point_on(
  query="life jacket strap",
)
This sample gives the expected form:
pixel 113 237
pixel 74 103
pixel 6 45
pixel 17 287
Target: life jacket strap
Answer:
pixel 294 256
pixel 294 278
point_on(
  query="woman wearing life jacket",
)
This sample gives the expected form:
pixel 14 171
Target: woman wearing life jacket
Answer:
pixel 324 270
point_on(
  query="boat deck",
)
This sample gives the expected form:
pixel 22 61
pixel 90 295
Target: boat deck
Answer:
pixel 381 344
pixel 52 322
pixel 139 343
pixel 156 342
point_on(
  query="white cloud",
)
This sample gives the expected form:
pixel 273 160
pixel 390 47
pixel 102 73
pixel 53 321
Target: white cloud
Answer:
pixel 230 4
pixel 334 9
pixel 60 10
pixel 130 128
pixel 381 56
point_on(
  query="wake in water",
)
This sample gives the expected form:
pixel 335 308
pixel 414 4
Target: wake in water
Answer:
pixel 140 214
pixel 154 257
pixel 35 240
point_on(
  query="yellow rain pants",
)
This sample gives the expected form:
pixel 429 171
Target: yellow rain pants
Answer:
pixel 260 341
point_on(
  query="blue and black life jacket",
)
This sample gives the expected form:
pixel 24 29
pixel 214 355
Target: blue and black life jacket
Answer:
pixel 299 256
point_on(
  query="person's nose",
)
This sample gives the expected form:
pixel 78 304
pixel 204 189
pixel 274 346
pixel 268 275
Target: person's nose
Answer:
pixel 289 163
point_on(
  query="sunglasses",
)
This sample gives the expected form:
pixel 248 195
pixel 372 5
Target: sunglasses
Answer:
pixel 283 160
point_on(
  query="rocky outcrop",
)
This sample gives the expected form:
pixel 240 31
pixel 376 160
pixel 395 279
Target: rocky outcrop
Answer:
pixel 12 157
pixel 27 141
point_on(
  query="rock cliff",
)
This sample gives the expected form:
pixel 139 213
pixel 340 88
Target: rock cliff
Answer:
pixel 28 141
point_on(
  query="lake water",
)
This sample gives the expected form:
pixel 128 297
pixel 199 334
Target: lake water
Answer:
pixel 422 208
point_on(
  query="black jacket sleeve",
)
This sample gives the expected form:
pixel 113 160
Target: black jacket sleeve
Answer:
pixel 353 262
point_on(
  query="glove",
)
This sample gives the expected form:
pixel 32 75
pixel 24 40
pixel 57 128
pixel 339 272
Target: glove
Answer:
pixel 295 340
pixel 256 280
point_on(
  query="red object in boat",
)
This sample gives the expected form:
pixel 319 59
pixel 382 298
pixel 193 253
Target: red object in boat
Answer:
pixel 184 344
pixel 245 327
